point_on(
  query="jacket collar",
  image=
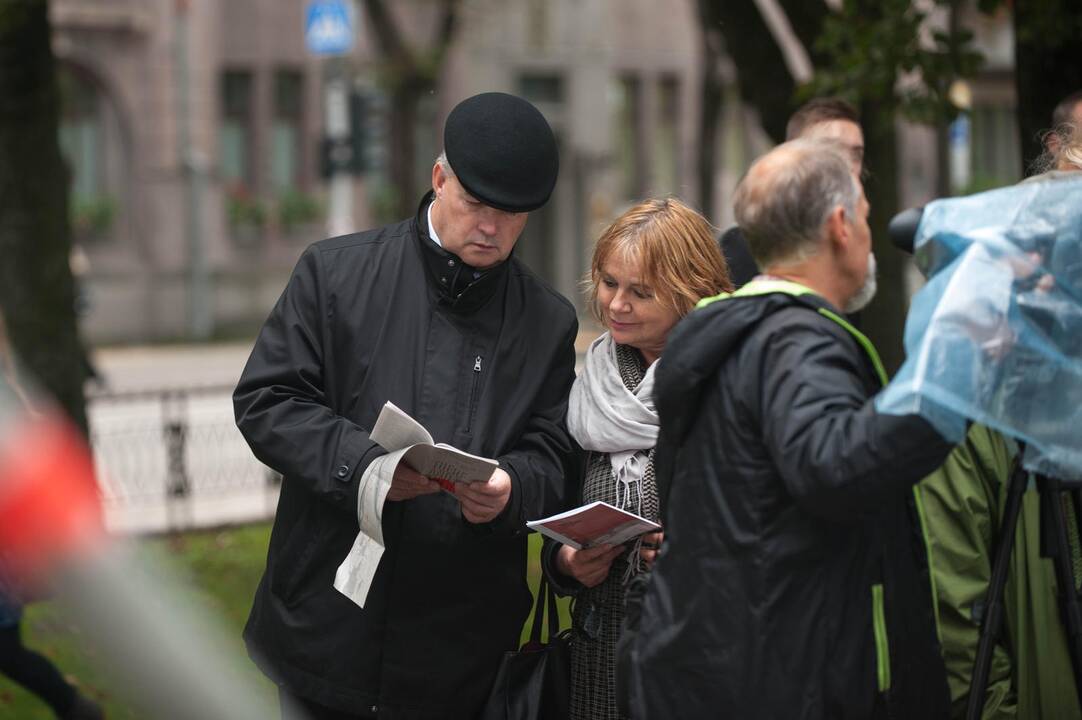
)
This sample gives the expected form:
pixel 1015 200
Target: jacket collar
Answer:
pixel 460 287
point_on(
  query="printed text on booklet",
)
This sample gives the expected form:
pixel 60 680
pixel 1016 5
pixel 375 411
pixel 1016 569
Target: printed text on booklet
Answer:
pixel 395 430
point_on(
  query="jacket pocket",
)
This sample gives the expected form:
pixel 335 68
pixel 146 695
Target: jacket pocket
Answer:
pixel 296 563
pixel 882 644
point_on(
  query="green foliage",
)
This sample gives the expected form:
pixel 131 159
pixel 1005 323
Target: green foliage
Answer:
pixel 296 208
pixel 876 52
pixel 981 182
pixel 533 578
pixel 92 217
pixel 245 210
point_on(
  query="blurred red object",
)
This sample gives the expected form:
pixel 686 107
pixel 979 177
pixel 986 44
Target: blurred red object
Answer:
pixel 50 509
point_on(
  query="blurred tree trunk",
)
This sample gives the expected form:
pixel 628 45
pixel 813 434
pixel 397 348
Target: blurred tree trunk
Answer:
pixel 1047 66
pixel 762 76
pixel 407 74
pixel 37 292
pixel 712 93
pixel 767 85
pixel 883 321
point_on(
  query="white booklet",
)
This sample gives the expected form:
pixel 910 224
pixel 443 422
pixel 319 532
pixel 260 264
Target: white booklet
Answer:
pixel 404 439
pixel 595 524
pixel 447 465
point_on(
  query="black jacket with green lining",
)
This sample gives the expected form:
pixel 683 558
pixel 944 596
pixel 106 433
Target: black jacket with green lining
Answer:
pixel 486 365
pixel 791 538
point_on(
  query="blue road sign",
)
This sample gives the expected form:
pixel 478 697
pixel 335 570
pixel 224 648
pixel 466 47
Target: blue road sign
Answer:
pixel 960 130
pixel 328 27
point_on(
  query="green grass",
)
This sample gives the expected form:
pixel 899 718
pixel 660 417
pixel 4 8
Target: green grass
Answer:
pixel 221 568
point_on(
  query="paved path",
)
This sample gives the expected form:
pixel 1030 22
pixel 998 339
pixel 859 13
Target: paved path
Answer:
pixel 155 367
pixel 142 465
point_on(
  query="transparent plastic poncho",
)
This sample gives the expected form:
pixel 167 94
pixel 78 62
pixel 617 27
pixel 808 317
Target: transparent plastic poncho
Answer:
pixel 995 336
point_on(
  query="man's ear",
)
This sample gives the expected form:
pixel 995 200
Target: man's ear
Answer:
pixel 439 179
pixel 838 231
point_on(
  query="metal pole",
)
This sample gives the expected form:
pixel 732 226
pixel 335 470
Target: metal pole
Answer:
pixel 200 323
pixel 992 622
pixel 1053 496
pixel 336 108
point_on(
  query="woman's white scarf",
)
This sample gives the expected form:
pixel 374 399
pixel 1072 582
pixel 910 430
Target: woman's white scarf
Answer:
pixel 604 416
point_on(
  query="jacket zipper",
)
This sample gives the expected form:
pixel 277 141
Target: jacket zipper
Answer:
pixel 472 407
pixel 882 645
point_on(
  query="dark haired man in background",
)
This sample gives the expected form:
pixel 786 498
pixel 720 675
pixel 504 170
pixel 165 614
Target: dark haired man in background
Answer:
pixel 827 118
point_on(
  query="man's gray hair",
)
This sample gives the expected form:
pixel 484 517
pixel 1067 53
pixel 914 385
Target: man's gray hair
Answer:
pixel 446 166
pixel 1064 110
pixel 782 203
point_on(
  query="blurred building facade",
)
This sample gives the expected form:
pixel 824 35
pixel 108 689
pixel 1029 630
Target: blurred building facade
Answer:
pixel 193 130
pixel 980 150
pixel 185 121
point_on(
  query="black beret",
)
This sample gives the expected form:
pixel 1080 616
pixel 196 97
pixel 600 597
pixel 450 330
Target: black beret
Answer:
pixel 502 151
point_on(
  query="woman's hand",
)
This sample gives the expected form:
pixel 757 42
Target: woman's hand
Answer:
pixel 590 566
pixel 651 544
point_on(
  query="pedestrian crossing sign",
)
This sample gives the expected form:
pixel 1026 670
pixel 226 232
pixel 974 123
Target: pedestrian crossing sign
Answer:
pixel 328 27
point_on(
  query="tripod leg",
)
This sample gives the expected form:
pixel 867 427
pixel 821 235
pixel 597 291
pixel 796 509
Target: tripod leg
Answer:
pixel 1075 516
pixel 993 613
pixel 1053 496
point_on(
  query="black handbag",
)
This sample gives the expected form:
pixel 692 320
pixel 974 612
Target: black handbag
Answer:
pixel 534 683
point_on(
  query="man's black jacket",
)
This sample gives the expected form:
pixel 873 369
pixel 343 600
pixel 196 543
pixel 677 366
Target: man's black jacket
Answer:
pixel 793 581
pixel 368 318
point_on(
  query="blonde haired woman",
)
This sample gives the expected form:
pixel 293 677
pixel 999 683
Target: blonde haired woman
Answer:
pixel 1063 150
pixel 649 269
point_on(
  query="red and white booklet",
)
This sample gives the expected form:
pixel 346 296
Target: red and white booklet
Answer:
pixel 595 524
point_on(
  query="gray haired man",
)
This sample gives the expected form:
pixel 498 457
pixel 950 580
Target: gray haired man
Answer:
pixel 792 582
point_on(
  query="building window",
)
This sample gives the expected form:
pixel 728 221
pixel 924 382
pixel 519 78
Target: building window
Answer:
pixel 666 137
pixel 996 159
pixel 625 102
pixel 541 89
pixel 287 131
pixel 89 143
pixel 81 134
pixel 235 132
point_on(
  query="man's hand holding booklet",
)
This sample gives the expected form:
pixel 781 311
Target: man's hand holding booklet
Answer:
pixel 405 440
pixel 446 465
pixel 597 523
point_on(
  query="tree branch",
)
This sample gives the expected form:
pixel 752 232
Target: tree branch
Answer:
pixel 444 35
pixel 445 29
pixel 389 37
pixel 764 80
pixel 806 19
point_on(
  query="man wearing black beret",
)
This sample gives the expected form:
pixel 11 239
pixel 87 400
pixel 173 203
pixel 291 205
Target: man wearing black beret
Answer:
pixel 436 315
